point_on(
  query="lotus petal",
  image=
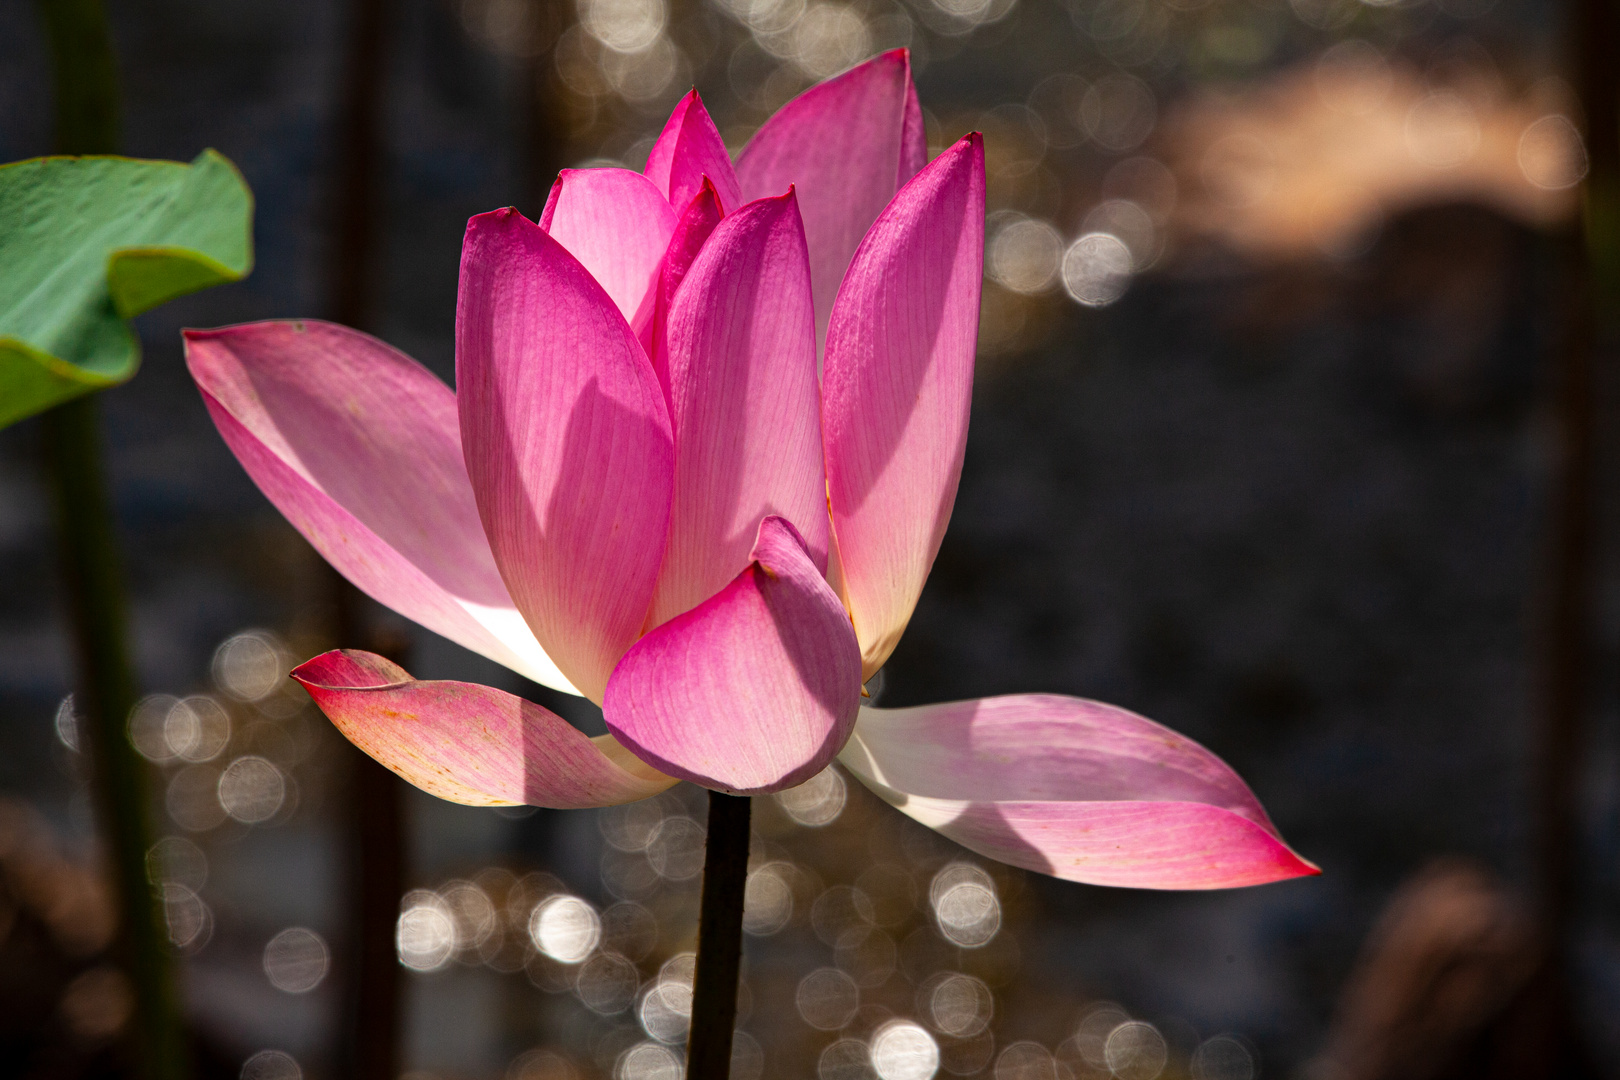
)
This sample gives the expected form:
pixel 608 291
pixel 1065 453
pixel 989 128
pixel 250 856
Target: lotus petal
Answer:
pixel 896 389
pixel 567 443
pixel 755 689
pixel 1073 788
pixel 468 743
pixel 358 446
pixel 846 145
pixel 744 404
pixel 617 224
pixel 688 150
pixel 702 214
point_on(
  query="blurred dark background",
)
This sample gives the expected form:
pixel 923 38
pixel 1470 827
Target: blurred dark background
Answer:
pixel 1266 445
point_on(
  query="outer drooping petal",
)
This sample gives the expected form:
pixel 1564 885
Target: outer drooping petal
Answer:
pixel 896 389
pixel 846 145
pixel 468 743
pixel 753 690
pixel 689 149
pixel 567 444
pixel 358 446
pixel 1073 788
pixel 617 224
pixel 744 404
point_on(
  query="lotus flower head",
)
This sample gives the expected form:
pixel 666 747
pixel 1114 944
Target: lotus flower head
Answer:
pixel 705 439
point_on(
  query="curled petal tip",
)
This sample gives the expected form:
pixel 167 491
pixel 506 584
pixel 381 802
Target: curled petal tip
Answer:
pixel 776 542
pixel 349 669
pixel 752 691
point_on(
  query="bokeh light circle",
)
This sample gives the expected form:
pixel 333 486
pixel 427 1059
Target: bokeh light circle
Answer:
pixel 296 960
pixel 1097 269
pixel 903 1050
pixel 565 928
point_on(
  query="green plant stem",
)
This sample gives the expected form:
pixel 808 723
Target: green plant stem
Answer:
pixel 87 122
pixel 719 951
pixel 86 76
pixel 90 567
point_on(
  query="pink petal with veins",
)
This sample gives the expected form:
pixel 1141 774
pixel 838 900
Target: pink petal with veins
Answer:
pixel 617 224
pixel 1074 788
pixel 688 150
pixel 468 743
pixel 358 446
pixel 896 387
pixel 846 145
pixel 753 690
pixel 744 404
pixel 702 214
pixel 567 443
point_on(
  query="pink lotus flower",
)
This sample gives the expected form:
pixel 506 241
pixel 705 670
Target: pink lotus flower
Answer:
pixel 641 491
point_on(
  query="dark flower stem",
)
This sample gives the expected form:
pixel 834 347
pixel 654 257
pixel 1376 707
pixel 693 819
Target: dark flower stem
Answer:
pixel 719 952
pixel 87 123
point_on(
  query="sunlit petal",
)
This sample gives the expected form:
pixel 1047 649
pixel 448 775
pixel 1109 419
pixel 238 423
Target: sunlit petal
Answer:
pixel 688 150
pixel 358 445
pixel 698 220
pixel 617 225
pixel 755 689
pixel 896 389
pixel 468 743
pixel 1074 788
pixel 846 145
pixel 567 443
pixel 744 404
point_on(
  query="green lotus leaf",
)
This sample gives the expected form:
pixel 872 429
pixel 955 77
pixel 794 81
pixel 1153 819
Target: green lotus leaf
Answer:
pixel 88 242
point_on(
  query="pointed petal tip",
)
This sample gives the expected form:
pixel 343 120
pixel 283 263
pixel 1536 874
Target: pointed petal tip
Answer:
pixel 1305 868
pixel 900 54
pixel 500 217
pixel 972 144
pixel 790 197
pixel 1288 865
